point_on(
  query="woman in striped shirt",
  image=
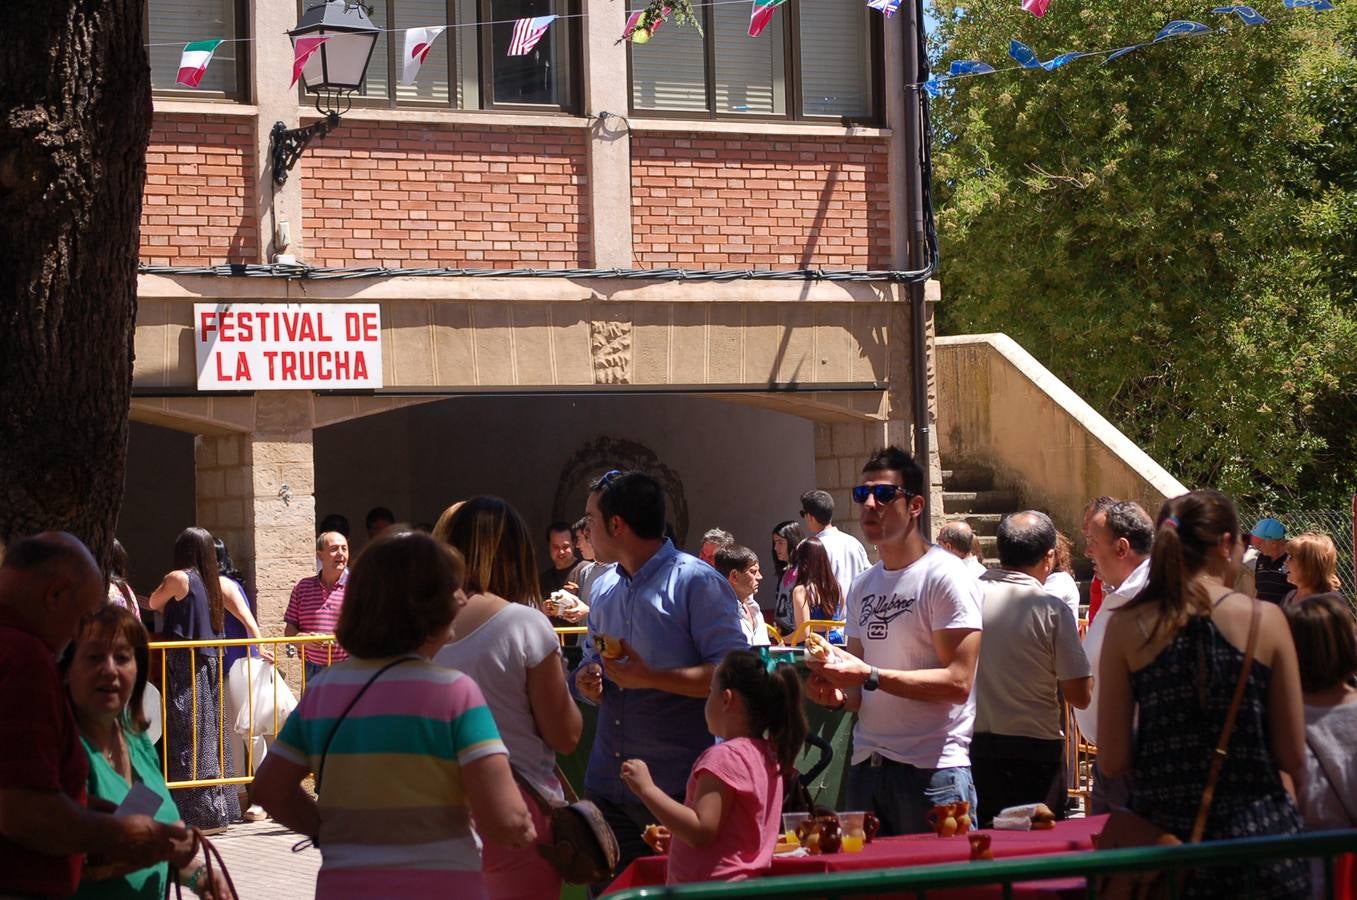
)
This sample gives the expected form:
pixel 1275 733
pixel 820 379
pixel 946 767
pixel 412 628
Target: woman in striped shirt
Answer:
pixel 405 752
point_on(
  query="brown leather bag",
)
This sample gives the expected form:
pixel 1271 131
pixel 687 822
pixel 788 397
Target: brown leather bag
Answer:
pixel 1125 829
pixel 583 848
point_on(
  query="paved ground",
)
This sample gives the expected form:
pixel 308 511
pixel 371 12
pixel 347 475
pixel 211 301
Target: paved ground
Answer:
pixel 261 862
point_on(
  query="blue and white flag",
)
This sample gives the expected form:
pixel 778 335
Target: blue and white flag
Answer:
pixel 1247 14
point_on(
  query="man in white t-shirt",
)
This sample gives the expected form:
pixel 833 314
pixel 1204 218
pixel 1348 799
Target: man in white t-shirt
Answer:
pixel 1118 540
pixel 913 634
pixel 847 556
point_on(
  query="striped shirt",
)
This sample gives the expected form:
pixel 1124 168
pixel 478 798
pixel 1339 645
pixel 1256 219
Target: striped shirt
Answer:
pixel 394 820
pixel 315 608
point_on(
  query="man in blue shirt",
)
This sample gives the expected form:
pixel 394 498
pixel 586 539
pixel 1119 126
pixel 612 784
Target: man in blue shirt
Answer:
pixel 673 618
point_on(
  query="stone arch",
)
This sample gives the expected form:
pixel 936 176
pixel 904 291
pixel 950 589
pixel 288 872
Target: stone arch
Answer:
pixel 604 453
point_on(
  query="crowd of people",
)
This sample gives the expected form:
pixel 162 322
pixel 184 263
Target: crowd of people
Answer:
pixel 433 727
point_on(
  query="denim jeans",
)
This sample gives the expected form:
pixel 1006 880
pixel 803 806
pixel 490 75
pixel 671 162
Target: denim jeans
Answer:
pixel 313 669
pixel 902 795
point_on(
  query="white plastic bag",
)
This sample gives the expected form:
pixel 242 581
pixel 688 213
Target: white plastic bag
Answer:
pixel 273 701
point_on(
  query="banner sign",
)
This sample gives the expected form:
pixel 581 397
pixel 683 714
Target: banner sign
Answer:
pixel 293 346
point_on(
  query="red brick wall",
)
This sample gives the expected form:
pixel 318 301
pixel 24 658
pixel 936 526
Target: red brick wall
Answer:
pixel 198 206
pixel 411 195
pixel 707 201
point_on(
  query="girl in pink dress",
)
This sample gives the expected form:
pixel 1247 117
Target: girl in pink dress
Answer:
pixel 727 826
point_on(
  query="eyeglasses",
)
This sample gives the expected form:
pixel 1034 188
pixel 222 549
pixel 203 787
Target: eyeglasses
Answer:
pixel 607 478
pixel 884 493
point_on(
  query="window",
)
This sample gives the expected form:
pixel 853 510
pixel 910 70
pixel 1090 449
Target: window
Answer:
pixel 814 60
pixel 170 24
pixel 468 67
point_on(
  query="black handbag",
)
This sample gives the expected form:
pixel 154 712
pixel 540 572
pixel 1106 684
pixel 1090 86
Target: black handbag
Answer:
pixel 583 848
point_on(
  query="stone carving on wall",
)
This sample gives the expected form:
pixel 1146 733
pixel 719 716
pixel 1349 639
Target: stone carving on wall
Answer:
pixel 603 453
pixel 610 346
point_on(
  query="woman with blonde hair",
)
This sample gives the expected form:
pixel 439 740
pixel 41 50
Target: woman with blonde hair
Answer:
pixel 1170 664
pixel 1312 566
pixel 504 641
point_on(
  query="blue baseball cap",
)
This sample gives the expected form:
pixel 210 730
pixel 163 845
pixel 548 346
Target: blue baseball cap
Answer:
pixel 1269 530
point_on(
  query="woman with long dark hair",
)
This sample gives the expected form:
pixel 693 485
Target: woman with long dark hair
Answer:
pixel 1170 663
pixel 190 596
pixel 817 594
pixel 787 536
pixel 504 641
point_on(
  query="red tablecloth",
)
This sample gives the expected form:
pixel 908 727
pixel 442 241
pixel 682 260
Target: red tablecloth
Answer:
pixel 917 850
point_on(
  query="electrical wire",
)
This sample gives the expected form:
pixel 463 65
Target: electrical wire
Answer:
pixel 329 273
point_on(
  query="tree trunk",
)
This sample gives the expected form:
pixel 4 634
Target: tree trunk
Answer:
pixel 75 115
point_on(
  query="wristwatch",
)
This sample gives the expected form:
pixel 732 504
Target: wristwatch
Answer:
pixel 873 680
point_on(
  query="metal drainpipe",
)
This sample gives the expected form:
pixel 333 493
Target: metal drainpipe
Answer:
pixel 915 69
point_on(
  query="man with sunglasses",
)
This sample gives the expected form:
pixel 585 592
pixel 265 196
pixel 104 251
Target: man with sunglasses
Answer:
pixel 913 632
pixel 669 619
pixel 847 556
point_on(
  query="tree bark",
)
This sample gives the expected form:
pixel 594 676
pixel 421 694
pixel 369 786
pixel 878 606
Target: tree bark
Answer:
pixel 75 115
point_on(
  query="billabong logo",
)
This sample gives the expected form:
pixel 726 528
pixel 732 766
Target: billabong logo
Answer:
pixel 879 610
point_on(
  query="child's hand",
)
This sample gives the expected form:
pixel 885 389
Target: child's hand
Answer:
pixel 658 838
pixel 636 776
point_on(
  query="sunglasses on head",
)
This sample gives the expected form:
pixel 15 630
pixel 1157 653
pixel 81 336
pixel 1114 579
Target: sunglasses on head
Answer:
pixel 608 478
pixel 884 493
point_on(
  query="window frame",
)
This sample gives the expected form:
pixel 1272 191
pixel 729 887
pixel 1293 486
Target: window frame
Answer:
pixel 244 60
pixel 791 32
pixel 485 75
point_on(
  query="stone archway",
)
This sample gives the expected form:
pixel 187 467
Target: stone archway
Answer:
pixel 605 453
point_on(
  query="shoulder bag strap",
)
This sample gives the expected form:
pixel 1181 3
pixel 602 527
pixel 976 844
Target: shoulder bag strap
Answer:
pixel 1219 754
pixel 1333 784
pixel 320 767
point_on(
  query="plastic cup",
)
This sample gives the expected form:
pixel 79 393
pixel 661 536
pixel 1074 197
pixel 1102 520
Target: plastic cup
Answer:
pixel 854 831
pixel 790 821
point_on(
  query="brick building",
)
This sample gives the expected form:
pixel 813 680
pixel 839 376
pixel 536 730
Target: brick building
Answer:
pixel 717 151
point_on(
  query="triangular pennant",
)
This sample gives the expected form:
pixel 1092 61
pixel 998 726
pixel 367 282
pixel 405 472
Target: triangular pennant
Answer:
pixel 970 67
pixel 1317 5
pixel 1179 28
pixel 888 8
pixel 1036 7
pixel 761 14
pixel 193 64
pixel 1247 14
pixel 418 43
pixel 641 27
pixel 934 86
pixel 1024 55
pixel 301 52
pixel 1052 64
pixel 527 32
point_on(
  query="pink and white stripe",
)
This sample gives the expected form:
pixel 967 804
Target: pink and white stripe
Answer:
pixel 527 32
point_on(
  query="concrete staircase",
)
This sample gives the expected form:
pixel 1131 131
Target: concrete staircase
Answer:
pixel 968 492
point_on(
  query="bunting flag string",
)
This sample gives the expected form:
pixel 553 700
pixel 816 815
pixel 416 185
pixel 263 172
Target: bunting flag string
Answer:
pixel 1026 58
pixel 193 64
pixel 527 32
pixel 418 43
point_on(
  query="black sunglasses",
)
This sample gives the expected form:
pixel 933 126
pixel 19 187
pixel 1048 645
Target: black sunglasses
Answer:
pixel 884 493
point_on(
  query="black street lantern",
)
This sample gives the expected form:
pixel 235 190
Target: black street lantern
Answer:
pixel 333 72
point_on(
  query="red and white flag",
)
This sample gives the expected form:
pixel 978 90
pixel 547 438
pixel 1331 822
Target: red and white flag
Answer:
pixel 527 32
pixel 301 53
pixel 638 31
pixel 418 43
pixel 193 64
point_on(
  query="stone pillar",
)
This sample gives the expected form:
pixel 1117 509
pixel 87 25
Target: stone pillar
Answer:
pixel 256 492
pixel 283 503
pixel 609 139
pixel 270 62
pixel 840 450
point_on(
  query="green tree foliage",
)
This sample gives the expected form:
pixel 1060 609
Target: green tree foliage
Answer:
pixel 1173 233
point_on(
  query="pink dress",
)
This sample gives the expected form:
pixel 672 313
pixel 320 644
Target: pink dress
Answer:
pixel 748 835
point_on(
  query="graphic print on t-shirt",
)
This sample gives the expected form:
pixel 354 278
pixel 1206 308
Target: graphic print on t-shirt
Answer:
pixel 879 610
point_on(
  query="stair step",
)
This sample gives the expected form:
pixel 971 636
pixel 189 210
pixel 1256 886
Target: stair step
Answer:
pixel 967 502
pixel 983 523
pixel 967 479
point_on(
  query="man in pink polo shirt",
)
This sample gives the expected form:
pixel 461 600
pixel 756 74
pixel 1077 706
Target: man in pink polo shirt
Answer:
pixel 315 602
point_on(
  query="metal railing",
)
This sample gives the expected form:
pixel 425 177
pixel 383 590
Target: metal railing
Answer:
pixel 1245 853
pixel 192 648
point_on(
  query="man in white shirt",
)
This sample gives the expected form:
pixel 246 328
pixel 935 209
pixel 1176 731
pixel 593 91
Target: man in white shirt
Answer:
pixel 913 640
pixel 1118 541
pixel 1029 661
pixel 958 539
pixel 847 556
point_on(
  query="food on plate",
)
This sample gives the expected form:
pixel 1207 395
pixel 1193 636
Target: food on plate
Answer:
pixel 818 648
pixel 609 647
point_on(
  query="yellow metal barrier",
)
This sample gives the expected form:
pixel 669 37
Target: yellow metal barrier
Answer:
pixel 164 648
